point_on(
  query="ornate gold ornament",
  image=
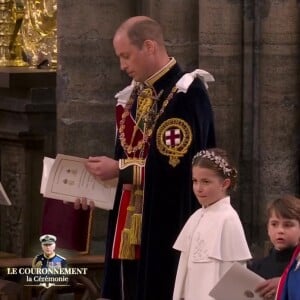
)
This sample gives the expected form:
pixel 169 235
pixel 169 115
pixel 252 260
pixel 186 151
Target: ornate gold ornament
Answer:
pixel 11 16
pixel 149 119
pixel 173 139
pixel 145 102
pixel 28 26
pixel 39 31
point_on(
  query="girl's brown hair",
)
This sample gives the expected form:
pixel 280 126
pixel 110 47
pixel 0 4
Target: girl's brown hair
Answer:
pixel 217 160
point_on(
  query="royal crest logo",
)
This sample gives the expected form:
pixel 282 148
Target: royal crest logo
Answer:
pixel 173 139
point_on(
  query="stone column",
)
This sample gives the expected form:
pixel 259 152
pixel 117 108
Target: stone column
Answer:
pixel 220 52
pixel 247 201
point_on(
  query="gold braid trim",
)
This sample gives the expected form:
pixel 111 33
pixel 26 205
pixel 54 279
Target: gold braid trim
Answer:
pixel 127 250
pixel 126 162
pixel 136 218
pixel 89 234
pixel 131 234
pixel 136 229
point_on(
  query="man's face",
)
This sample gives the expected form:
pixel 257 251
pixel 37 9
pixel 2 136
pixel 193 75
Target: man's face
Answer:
pixel 48 249
pixel 134 61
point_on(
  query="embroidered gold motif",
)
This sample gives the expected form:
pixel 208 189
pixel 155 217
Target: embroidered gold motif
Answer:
pixel 145 101
pixel 149 125
pixel 124 163
pixel 144 105
pixel 173 139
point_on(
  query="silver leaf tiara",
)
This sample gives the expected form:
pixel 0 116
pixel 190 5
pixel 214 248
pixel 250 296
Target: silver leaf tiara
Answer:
pixel 218 160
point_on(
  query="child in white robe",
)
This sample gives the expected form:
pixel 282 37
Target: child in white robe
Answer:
pixel 213 237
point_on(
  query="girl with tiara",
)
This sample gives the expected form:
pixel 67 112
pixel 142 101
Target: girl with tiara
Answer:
pixel 213 237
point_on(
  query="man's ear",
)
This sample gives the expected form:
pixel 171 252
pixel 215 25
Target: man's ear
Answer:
pixel 150 46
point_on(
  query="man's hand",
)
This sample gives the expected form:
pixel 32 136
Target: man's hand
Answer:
pixel 83 203
pixel 103 167
pixel 267 289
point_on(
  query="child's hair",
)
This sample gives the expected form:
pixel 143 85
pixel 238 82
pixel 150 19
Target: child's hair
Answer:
pixel 287 207
pixel 217 159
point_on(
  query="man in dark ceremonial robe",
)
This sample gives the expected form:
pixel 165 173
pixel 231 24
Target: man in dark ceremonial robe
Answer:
pixel 163 118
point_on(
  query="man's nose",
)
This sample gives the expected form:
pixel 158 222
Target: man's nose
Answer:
pixel 123 65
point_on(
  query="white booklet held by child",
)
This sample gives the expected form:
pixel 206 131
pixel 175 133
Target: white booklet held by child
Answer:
pixel 66 178
pixel 238 283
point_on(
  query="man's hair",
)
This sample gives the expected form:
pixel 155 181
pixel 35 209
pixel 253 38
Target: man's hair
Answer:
pixel 147 29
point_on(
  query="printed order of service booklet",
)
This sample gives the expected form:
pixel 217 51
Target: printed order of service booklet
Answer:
pixel 238 283
pixel 66 178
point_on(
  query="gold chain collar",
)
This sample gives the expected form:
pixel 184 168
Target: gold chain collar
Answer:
pixel 147 132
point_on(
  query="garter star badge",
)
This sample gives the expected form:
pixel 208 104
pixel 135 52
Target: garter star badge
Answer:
pixel 173 139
